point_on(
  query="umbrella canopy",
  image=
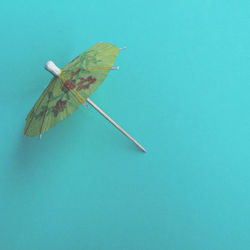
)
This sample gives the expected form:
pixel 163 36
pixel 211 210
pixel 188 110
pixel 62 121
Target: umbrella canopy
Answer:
pixel 70 88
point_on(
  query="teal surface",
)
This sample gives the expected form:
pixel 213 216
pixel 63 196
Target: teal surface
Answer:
pixel 183 91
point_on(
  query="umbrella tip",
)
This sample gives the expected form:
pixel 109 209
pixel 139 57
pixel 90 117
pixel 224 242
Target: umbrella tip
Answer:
pixel 52 68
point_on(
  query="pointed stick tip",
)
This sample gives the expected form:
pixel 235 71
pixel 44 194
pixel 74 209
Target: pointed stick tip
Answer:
pixel 143 149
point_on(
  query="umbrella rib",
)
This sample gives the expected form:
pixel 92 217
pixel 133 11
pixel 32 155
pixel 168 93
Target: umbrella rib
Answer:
pixel 100 69
pixel 47 108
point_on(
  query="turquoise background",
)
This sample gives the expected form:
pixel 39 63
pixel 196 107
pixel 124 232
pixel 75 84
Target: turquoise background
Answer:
pixel 182 90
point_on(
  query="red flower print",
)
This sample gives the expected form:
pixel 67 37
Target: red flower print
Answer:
pixel 81 86
pixel 59 107
pixel 68 85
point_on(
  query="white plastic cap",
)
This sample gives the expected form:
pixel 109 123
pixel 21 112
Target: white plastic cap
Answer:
pixel 52 68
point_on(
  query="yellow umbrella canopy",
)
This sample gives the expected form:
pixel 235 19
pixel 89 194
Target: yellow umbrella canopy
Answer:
pixel 74 84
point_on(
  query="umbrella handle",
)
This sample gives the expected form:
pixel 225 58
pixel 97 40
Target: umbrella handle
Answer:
pixel 115 124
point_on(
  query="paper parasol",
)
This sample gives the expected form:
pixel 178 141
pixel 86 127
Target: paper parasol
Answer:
pixel 71 87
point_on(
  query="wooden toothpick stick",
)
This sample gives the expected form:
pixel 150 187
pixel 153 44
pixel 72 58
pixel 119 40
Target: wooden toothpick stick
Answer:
pixel 115 124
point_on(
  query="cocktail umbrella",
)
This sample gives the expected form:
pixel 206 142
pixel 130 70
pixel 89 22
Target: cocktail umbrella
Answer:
pixel 71 87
